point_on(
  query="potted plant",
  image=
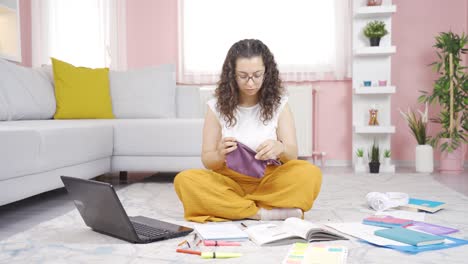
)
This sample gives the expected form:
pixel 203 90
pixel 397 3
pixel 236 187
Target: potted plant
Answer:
pixel 374 159
pixel 375 30
pixel 360 157
pixel 451 92
pixel 424 155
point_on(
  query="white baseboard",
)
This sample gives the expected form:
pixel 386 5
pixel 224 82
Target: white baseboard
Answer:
pixel 410 163
pixel 348 163
pixel 330 163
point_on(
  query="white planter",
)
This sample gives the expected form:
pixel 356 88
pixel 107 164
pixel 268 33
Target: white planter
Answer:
pixel 360 166
pixel 424 158
pixel 360 161
pixel 386 162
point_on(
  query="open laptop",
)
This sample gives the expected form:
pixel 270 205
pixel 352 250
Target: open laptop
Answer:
pixel 101 210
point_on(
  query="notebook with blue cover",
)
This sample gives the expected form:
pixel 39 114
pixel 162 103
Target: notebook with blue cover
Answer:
pixel 424 205
pixel 410 237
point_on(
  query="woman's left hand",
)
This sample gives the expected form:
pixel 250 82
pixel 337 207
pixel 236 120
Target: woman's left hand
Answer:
pixel 270 149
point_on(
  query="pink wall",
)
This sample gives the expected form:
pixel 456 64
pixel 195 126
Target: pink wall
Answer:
pixel 414 26
pixel 151 32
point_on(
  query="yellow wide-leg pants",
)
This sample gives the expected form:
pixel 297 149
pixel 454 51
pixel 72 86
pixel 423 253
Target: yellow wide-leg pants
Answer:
pixel 228 195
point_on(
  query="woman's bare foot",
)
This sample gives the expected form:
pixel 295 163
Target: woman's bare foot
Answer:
pixel 277 214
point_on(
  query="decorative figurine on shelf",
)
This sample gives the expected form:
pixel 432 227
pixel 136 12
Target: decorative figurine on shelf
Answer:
pixel 374 2
pixel 373 116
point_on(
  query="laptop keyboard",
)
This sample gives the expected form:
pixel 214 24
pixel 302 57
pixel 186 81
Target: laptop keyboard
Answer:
pixel 149 231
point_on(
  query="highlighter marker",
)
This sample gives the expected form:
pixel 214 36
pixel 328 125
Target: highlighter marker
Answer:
pixel 188 251
pixel 215 243
pixel 209 255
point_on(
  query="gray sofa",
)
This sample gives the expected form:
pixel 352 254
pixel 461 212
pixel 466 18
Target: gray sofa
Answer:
pixel 35 151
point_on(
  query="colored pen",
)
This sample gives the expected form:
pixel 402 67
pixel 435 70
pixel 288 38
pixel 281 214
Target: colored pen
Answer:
pixel 181 243
pixel 188 251
pixel 208 255
pixel 215 243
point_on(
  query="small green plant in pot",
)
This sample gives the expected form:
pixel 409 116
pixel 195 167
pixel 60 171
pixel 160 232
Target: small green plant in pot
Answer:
pixel 424 156
pixel 360 153
pixel 375 30
pixel 374 158
pixel 360 157
pixel 418 125
pixel 387 153
pixel 386 157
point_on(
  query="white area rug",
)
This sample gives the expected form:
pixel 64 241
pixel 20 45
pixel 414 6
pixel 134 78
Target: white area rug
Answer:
pixel 66 239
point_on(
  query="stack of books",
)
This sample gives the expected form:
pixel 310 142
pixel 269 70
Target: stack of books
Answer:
pixel 412 232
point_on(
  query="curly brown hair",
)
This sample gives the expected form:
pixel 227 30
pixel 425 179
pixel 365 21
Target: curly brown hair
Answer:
pixel 227 91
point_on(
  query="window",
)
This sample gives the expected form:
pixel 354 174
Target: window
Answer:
pixel 81 32
pixel 306 37
pixel 10 40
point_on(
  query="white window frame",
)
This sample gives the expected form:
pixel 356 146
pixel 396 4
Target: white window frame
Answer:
pixel 335 67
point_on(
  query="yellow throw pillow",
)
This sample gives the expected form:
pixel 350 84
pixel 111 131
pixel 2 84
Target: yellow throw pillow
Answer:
pixel 81 92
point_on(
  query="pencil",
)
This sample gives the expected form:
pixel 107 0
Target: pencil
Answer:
pixel 181 243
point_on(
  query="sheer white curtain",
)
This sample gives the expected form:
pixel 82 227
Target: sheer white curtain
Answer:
pixel 86 33
pixel 310 39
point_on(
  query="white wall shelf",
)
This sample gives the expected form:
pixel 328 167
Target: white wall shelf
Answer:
pixel 375 90
pixel 372 64
pixel 374 129
pixel 375 51
pixel 375 11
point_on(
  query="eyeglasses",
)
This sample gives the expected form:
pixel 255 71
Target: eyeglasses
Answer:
pixel 256 77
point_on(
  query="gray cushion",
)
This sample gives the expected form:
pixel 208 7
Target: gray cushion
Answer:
pixel 144 93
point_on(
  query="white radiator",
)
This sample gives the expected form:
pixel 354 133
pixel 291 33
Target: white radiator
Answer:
pixel 301 104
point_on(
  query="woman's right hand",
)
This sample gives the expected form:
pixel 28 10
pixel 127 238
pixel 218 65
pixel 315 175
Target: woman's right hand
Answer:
pixel 226 145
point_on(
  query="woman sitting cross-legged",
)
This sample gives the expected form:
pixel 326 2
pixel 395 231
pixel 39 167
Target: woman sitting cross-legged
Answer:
pixel 248 116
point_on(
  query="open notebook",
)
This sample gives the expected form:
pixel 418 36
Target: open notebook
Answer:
pixel 290 231
pixel 220 231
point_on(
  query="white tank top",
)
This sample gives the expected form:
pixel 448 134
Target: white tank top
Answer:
pixel 249 129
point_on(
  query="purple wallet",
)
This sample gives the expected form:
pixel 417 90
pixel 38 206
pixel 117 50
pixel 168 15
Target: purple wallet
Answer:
pixel 242 160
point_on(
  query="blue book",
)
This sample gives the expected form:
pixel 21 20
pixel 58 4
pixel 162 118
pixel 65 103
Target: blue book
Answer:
pixel 410 237
pixel 424 205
